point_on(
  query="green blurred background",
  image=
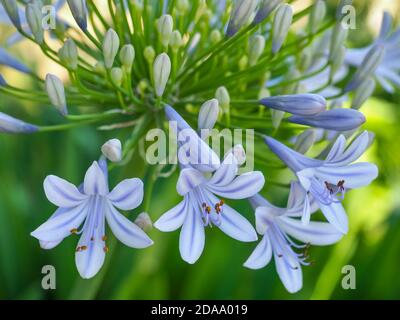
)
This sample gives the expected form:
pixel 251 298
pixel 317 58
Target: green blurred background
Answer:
pixel 372 245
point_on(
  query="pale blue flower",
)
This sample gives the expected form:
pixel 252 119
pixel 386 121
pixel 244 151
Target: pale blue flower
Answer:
pixel 335 119
pixel 388 71
pixel 328 180
pixel 92 204
pixel 203 206
pixel 297 104
pixel 279 226
pixel 265 9
pixel 10 124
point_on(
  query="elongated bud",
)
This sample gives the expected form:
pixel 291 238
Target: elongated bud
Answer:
pixel 110 48
pixel 215 36
pixel 337 61
pixel 297 104
pixel 282 22
pixel 162 70
pixel 11 8
pixel 127 56
pixel 367 68
pixel 317 15
pixel 239 153
pixel 149 54
pixel 10 124
pixel 208 114
pixel 116 76
pixel 34 19
pixel 256 48
pixel 99 67
pixel 165 26
pixel 336 119
pixel 363 92
pixel 222 95
pixel 305 141
pixel 56 93
pixel 69 54
pixel 176 41
pixel 143 221
pixel 182 6
pixel 240 16
pixel 339 36
pixel 112 150
pixel 265 9
pixel 79 12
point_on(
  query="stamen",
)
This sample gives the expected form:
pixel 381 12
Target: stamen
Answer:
pixel 104 238
pixel 105 249
pixel 83 248
pixel 74 231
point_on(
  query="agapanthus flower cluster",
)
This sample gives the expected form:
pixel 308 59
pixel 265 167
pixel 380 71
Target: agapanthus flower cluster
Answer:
pixel 138 65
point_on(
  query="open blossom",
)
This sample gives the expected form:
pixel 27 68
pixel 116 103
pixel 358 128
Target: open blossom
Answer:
pixel 328 180
pixel 279 226
pixel 91 205
pixel 203 206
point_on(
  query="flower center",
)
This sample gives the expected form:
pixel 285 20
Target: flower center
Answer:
pixel 326 192
pixel 211 209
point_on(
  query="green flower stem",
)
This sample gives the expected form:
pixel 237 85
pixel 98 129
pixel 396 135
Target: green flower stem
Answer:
pixel 67 126
pixel 98 14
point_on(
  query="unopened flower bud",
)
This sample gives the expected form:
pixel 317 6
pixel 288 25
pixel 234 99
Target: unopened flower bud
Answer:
pixel 239 153
pixel 3 82
pixel 282 22
pixel 34 19
pixel 256 48
pixel 340 8
pixel 240 15
pixel 11 8
pixel 149 54
pixel 298 104
pixel 176 41
pixel 10 124
pixel 208 114
pixel 367 68
pixel 112 150
pixel 243 62
pixel 317 15
pixel 110 48
pixel 162 70
pixel 69 54
pixel 99 67
pixel 265 9
pixel 127 56
pixel 116 76
pixel 143 221
pixel 222 95
pixel 339 35
pixel 182 6
pixel 79 12
pixel 305 141
pixel 165 26
pixel 215 36
pixel 56 93
pixel 337 61
pixel 363 92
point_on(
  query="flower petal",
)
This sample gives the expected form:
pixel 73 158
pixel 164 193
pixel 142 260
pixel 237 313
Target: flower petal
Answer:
pixel 226 172
pixel 189 179
pixel 172 219
pixel 62 193
pixel 242 187
pixel 355 175
pixel 291 276
pixel 336 216
pixel 95 181
pixel 128 194
pixel 126 231
pixel 337 149
pixel 261 255
pixel 315 233
pixel 47 245
pixel 60 226
pixel 192 237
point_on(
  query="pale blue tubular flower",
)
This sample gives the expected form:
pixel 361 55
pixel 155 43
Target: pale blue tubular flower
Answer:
pixel 328 180
pixel 92 204
pixel 10 124
pixel 242 11
pixel 203 206
pixel 279 227
pixel 297 104
pixel 265 8
pixel 79 12
pixel 388 71
pixel 8 60
pixel 335 119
